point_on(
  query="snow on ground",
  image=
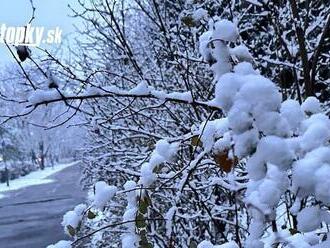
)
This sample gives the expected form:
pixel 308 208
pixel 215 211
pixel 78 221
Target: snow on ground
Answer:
pixel 34 178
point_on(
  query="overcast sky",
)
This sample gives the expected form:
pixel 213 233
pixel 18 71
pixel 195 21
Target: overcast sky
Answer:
pixel 49 13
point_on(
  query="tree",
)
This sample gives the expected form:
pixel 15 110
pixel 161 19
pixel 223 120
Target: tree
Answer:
pixel 194 156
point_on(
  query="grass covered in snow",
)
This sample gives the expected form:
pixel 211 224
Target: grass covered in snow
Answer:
pixel 34 178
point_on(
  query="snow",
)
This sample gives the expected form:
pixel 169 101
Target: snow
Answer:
pixel 316 135
pixel 103 193
pixel 225 30
pixel 255 2
pixel 39 96
pixel 292 112
pixel 34 178
pixel 223 143
pixel 221 54
pixel 311 105
pixel 208 244
pixel 245 142
pixel 275 150
pixel 147 174
pixel 205 244
pixel 204 40
pixel 140 89
pixel 259 94
pixel 164 152
pixel 226 90
pixel 230 244
pixel 199 14
pixel 129 239
pixel 311 174
pixel 169 220
pixel 322 183
pixel 73 218
pixel 241 53
pixel 93 91
pixel 61 244
pixel 244 68
pixel 183 96
pixel 309 219
pixel 211 130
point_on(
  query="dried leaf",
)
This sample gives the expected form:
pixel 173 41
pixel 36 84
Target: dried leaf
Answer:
pixel 91 215
pixel 195 141
pixel 224 161
pixel 188 21
pixel 71 230
pixel 293 231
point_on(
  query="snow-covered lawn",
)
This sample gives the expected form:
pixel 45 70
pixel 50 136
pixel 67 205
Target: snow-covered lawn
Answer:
pixel 34 178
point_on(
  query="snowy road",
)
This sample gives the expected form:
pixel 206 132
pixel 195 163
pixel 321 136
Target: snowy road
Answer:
pixel 31 217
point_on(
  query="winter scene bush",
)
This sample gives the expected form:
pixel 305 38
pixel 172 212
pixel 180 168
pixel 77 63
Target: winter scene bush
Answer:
pixel 200 124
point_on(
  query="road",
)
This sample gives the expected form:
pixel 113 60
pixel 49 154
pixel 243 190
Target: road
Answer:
pixel 31 217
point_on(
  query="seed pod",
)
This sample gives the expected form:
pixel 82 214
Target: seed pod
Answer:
pixel 286 78
pixel 23 52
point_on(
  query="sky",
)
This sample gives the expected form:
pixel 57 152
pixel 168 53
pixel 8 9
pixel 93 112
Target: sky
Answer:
pixel 49 14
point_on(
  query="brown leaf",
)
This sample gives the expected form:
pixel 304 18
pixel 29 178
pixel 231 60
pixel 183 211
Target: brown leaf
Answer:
pixel 196 141
pixel 293 231
pixel 188 21
pixel 224 162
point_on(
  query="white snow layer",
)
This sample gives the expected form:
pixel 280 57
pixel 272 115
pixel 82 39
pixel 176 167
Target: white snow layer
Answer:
pixel 103 193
